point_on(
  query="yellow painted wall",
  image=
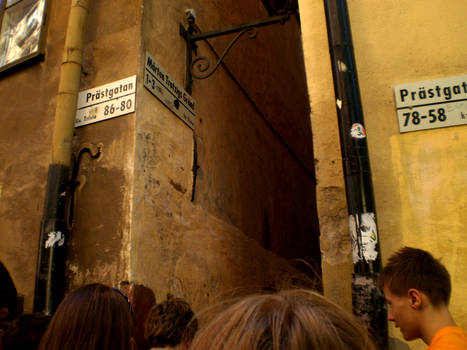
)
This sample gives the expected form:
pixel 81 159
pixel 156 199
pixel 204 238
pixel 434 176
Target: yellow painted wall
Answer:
pixel 419 178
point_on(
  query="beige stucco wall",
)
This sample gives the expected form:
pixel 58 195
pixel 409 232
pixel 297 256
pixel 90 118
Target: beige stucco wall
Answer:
pixel 27 115
pixel 254 210
pixel 215 246
pixel 98 244
pixel 100 240
pixel 418 177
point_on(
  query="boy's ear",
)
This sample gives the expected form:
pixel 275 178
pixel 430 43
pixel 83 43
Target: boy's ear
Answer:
pixel 415 298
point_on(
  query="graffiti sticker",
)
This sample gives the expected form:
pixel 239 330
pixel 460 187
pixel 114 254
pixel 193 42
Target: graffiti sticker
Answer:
pixel 357 131
pixel 364 237
pixel 55 237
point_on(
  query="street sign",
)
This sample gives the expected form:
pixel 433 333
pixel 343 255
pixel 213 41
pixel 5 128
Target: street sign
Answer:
pixel 106 101
pixel 164 87
pixel 431 104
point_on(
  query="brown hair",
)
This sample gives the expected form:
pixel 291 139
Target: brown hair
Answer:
pixel 294 319
pixel 416 268
pixel 92 317
pixel 170 323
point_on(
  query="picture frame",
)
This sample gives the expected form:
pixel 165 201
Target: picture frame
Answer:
pixel 22 31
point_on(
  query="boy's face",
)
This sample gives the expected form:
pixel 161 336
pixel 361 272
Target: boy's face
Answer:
pixel 404 316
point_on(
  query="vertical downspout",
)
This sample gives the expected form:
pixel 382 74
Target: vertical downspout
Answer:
pixel 50 273
pixel 367 301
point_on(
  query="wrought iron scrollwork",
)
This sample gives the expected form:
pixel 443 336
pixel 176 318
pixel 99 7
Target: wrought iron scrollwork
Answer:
pixel 192 35
pixel 203 63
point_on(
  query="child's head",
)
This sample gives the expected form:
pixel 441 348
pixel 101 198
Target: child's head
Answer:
pixel 415 268
pixel 92 317
pixel 294 319
pixel 170 323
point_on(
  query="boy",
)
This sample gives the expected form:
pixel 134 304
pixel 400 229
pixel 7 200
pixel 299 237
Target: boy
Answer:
pixel 417 288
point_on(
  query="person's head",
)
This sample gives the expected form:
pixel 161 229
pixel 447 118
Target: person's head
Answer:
pixel 92 317
pixel 142 299
pixel 412 281
pixel 25 332
pixel 294 319
pixel 170 323
pixel 8 296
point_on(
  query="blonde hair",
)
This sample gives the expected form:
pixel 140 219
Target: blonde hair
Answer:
pixel 293 319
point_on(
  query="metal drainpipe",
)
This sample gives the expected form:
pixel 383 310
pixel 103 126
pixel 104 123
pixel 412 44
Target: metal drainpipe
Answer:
pixel 368 302
pixel 50 273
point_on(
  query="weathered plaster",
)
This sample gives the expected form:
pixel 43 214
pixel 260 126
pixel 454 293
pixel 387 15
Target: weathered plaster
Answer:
pixel 215 245
pixel 28 105
pixel 101 236
pixel 133 218
pixel 330 190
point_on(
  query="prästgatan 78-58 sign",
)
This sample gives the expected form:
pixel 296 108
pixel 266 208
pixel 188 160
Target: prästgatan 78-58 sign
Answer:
pixel 431 104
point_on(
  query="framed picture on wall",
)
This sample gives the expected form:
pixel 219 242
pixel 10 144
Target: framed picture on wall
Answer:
pixel 22 33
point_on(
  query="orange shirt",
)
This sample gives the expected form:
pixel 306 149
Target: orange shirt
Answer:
pixel 449 338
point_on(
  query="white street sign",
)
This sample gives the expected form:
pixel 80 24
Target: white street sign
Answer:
pixel 164 87
pixel 432 104
pixel 106 101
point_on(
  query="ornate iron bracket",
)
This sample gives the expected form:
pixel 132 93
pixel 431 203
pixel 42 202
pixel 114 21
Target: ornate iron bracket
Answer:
pixel 94 151
pixel 192 34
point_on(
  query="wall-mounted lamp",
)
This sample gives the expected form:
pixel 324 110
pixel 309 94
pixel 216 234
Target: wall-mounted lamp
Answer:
pixel 279 10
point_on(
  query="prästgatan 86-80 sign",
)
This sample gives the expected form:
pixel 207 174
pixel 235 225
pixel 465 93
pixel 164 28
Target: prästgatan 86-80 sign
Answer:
pixel 106 101
pixel 431 104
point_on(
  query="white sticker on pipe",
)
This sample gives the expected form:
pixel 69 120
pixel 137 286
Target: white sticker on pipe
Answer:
pixel 55 237
pixel 357 131
pixel 342 66
pixel 339 103
pixel 363 244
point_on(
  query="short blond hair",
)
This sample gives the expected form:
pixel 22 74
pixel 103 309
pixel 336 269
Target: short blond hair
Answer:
pixel 293 319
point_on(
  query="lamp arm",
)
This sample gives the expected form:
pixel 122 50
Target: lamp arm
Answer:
pixel 212 34
pixel 192 35
pixel 202 63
